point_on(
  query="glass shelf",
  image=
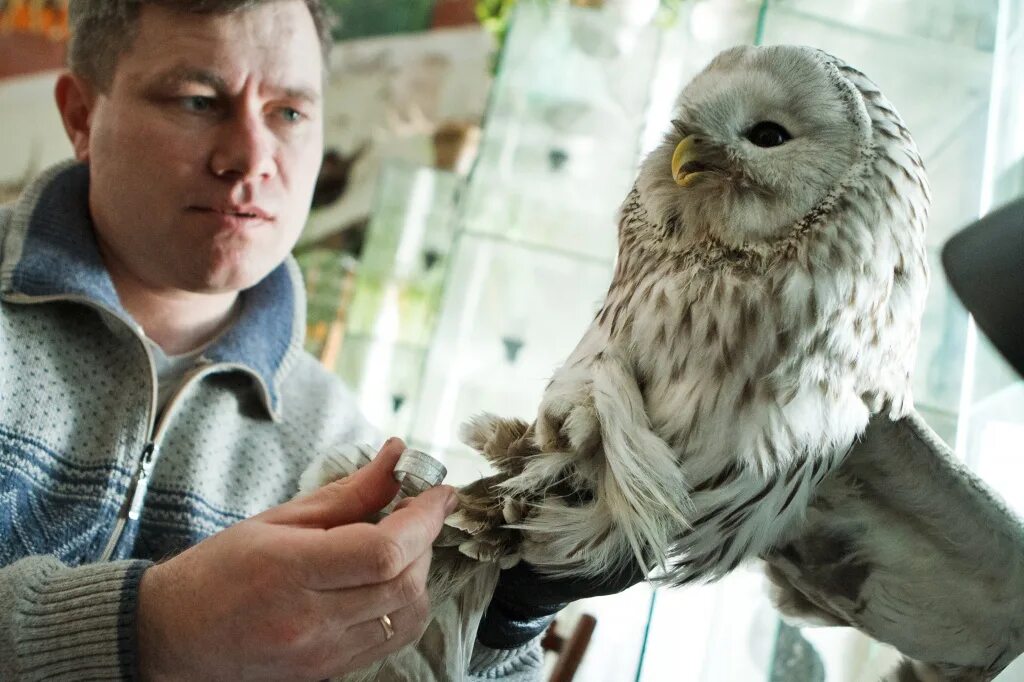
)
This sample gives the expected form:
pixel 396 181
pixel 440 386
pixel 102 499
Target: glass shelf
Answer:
pixel 380 314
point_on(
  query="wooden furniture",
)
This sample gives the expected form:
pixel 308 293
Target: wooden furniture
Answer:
pixel 569 649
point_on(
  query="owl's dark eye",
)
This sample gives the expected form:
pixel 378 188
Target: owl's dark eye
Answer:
pixel 768 134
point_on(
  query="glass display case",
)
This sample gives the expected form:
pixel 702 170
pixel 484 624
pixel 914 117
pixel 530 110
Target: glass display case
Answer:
pixel 470 297
pixel 373 322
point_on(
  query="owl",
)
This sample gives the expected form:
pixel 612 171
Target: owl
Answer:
pixel 767 299
pixel 766 302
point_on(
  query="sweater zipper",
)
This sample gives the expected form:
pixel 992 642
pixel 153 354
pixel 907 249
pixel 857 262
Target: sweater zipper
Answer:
pixel 131 510
pixel 132 507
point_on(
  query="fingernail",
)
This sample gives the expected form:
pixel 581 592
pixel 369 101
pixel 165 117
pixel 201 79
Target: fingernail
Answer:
pixel 451 503
pixel 384 447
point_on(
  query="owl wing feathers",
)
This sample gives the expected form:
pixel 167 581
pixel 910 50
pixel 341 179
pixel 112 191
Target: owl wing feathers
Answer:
pixel 906 545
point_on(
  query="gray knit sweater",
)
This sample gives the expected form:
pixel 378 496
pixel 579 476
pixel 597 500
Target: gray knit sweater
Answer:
pixel 93 487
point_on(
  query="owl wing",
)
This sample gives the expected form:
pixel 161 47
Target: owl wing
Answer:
pixel 906 545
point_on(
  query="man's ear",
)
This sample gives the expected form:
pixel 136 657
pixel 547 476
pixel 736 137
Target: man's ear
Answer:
pixel 75 101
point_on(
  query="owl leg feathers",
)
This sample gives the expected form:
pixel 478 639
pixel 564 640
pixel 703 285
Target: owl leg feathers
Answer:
pixel 635 495
pixel 485 509
pixel 578 487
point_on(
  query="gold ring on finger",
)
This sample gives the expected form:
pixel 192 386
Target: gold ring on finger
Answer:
pixel 389 628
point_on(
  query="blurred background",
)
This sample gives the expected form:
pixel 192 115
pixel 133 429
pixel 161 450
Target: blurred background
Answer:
pixel 463 234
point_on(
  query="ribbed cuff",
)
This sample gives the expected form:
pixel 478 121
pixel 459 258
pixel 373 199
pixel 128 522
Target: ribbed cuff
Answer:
pixel 77 622
pixel 522 664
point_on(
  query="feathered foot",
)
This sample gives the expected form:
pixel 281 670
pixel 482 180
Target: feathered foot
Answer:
pixel 485 507
pixel 506 443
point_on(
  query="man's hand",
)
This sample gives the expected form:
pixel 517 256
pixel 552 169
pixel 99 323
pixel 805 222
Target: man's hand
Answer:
pixel 298 591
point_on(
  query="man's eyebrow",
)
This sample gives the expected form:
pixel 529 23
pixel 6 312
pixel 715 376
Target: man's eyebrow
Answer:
pixel 308 95
pixel 186 74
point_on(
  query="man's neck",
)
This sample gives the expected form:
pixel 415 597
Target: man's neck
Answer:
pixel 180 323
pixel 177 321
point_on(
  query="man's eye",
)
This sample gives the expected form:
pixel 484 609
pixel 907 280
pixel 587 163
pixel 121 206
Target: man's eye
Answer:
pixel 291 115
pixel 199 104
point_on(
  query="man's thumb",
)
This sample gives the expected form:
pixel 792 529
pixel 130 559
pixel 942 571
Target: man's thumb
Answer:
pixel 348 500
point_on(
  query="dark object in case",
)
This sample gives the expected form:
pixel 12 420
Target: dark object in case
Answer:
pixel 985 266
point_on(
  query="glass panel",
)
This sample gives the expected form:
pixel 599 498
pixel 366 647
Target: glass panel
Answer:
pixel 401 274
pixel 562 135
pixel 386 378
pixel 1007 148
pixel 393 297
pixel 992 420
pixel 511 314
pixel 730 639
pixel 615 649
pixel 329 281
pixel 966 23
pixel 938 377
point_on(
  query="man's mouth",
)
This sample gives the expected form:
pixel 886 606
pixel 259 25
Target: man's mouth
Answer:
pixel 239 212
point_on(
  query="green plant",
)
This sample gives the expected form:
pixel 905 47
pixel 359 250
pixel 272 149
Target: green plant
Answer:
pixel 494 16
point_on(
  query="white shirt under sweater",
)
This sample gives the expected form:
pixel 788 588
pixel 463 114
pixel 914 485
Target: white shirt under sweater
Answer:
pixel 170 370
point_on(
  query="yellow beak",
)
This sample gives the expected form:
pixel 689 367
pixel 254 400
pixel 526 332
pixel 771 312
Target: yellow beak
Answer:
pixel 686 152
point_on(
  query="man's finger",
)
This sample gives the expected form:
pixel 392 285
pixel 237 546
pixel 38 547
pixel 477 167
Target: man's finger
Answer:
pixel 348 500
pixel 356 604
pixel 365 554
pixel 408 624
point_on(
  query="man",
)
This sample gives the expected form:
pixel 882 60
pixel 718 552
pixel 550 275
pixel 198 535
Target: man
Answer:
pixel 154 395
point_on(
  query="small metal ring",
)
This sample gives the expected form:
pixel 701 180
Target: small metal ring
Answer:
pixel 417 471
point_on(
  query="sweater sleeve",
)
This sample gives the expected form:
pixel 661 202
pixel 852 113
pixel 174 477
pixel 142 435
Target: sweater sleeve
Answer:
pixel 523 664
pixel 60 622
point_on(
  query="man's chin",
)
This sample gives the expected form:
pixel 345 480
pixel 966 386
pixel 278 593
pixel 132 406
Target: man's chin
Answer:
pixel 230 280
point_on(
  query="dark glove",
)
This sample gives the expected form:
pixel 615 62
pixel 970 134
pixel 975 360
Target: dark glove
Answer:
pixel 525 602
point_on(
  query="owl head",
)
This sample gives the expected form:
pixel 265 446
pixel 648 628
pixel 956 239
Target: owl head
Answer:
pixel 760 139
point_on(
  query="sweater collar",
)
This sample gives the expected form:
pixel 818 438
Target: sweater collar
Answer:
pixel 49 252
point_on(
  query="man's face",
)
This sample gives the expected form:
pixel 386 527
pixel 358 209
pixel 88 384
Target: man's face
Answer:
pixel 204 152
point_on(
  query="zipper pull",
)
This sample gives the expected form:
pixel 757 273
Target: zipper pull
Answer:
pixel 142 482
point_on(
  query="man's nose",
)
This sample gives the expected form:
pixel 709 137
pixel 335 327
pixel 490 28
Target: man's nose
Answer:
pixel 244 149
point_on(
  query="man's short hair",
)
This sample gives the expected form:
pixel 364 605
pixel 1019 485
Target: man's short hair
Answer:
pixel 103 30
